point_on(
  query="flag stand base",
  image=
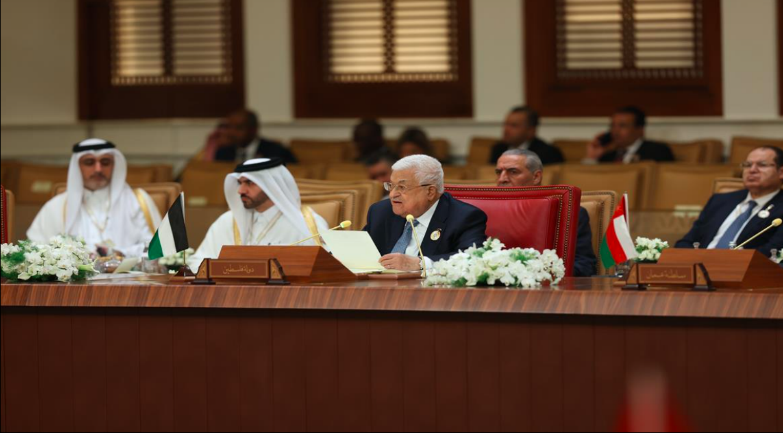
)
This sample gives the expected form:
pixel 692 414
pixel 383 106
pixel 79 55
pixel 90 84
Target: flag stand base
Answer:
pixel 183 276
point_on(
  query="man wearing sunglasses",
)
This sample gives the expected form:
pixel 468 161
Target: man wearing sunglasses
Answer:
pixel 442 224
pixel 732 218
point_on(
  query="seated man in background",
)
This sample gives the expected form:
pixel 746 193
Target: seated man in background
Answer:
pixel 242 141
pixel 443 224
pixel 625 142
pixel 413 141
pixel 265 208
pixel 518 167
pixel 732 218
pixel 367 138
pixel 379 166
pixel 217 139
pixel 519 132
pixel 98 206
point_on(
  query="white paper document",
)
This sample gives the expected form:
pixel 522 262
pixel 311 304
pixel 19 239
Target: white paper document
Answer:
pixel 355 250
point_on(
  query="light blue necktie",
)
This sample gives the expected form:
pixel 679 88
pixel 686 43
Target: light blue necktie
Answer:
pixel 405 239
pixel 734 228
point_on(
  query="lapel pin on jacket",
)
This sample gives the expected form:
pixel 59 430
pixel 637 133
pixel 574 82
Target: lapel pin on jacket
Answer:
pixel 435 235
pixel 765 212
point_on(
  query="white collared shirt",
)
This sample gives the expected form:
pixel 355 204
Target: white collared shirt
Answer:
pixel 248 152
pixel 631 152
pixel 761 203
pixel 524 146
pixel 421 231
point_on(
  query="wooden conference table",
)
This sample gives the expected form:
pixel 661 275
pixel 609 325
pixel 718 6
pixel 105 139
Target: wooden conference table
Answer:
pixel 139 354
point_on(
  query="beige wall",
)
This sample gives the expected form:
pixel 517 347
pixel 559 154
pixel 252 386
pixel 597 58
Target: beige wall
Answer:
pixel 39 87
pixel 38 61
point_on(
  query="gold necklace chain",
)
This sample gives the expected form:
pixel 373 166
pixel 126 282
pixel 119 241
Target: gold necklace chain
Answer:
pixel 101 228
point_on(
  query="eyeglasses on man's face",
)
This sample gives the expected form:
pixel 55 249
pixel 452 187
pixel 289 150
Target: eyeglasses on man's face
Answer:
pixel 389 186
pixel 760 165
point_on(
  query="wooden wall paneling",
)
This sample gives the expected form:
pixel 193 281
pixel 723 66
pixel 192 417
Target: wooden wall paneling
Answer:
pixel 419 370
pixel 451 376
pixel 780 357
pixel 515 369
pixel 386 359
pixel 223 371
pixel 483 375
pixel 546 384
pixel 55 369
pixel 717 377
pixel 323 371
pixel 578 375
pixel 189 362
pixel 762 356
pixel 288 385
pixel 88 330
pixel 123 382
pixel 610 371
pixel 256 370
pixel 156 370
pixel 651 344
pixel 2 374
pixel 354 370
pixel 20 331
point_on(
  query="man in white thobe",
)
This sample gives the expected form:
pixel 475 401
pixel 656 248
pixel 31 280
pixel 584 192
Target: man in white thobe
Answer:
pixel 98 206
pixel 264 209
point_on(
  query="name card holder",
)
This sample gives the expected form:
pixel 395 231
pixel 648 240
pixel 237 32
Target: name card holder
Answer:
pixel 240 271
pixel 693 276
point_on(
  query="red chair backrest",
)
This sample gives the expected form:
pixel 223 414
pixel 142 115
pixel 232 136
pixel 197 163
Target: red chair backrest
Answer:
pixel 539 217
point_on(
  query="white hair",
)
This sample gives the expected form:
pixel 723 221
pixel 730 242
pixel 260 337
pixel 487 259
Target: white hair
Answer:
pixel 427 170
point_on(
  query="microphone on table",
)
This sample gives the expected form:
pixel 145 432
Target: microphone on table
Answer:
pixel 776 222
pixel 418 245
pixel 343 225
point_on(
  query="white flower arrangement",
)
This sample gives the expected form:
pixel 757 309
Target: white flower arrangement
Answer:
pixel 175 261
pixel 63 259
pixel 650 250
pixel 778 258
pixel 491 264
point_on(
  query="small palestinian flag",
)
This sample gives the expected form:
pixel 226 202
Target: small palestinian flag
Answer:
pixel 171 237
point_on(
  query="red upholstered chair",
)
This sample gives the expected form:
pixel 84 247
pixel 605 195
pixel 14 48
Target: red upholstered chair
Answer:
pixel 540 217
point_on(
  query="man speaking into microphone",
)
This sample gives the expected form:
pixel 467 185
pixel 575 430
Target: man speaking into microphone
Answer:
pixel 442 224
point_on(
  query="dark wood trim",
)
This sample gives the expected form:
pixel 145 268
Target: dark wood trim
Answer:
pixel 316 98
pixel 780 56
pixel 553 96
pixel 99 99
pixel 592 296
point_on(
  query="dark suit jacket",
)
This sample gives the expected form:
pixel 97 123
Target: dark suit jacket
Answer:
pixel 719 207
pixel 584 260
pixel 462 225
pixel 266 149
pixel 649 151
pixel 549 154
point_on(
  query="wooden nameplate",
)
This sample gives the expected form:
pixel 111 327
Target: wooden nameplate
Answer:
pixel 302 264
pixel 240 271
pixel 728 269
pixel 644 275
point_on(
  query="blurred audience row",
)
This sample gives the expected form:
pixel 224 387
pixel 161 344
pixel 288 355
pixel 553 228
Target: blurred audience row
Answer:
pixel 237 138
